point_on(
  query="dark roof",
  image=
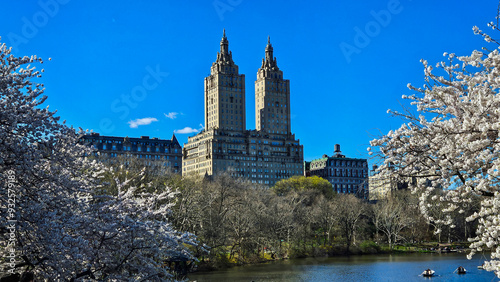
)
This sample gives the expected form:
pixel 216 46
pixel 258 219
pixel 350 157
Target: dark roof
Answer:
pixel 97 136
pixel 343 158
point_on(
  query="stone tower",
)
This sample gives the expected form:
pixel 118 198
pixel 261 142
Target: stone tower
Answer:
pixel 225 92
pixel 264 155
pixel 272 96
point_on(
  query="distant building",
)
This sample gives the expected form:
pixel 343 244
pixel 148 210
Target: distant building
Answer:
pixel 307 169
pixel 347 175
pixel 265 155
pixel 153 151
pixel 381 186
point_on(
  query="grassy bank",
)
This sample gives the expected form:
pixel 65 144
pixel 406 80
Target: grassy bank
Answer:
pixel 226 260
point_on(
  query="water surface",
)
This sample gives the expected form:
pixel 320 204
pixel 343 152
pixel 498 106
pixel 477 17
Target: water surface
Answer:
pixel 405 267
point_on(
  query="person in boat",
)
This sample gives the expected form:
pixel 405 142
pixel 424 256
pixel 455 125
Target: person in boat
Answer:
pixel 428 272
pixel 461 269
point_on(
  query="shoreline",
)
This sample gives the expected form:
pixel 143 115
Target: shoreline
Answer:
pixel 376 267
pixel 339 251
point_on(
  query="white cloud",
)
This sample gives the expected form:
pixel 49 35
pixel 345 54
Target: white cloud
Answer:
pixel 141 121
pixel 187 130
pixel 172 115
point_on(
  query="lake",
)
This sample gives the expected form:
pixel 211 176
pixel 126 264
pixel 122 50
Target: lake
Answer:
pixel 400 267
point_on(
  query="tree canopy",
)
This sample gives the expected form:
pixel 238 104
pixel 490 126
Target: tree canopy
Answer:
pixel 56 218
pixel 451 143
pixel 302 183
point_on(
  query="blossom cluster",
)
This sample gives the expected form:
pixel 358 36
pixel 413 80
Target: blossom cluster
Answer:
pixel 68 226
pixel 450 147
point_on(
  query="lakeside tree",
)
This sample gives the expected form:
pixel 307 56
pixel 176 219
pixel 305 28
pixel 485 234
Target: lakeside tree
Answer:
pixel 326 217
pixel 451 143
pixel 57 219
pixel 305 190
pixel 391 216
pixel 277 221
pixel 350 210
pixel 243 222
pixel 313 184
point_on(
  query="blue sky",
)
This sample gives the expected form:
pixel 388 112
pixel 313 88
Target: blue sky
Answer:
pixel 132 68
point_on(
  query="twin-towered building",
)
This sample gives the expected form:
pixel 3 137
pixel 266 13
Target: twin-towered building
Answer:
pixel 264 155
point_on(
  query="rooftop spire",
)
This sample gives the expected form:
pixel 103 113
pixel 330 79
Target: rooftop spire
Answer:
pixel 224 49
pixel 269 51
pixel 224 56
pixel 269 61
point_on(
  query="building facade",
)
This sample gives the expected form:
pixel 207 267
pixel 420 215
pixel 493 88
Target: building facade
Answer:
pixel 272 96
pixel 382 186
pixel 153 151
pixel 225 93
pixel 347 175
pixel 265 155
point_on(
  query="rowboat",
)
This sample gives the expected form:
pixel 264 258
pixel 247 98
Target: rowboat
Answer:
pixel 428 272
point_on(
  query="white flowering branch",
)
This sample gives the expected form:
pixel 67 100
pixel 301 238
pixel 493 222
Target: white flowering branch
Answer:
pixel 66 226
pixel 451 147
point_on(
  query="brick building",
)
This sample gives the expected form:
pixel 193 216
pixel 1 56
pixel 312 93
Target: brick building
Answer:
pixel 153 151
pixel 347 175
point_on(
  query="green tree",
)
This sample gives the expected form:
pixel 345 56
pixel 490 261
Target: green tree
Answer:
pixel 314 184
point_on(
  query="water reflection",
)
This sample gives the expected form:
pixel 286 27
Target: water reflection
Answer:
pixel 357 268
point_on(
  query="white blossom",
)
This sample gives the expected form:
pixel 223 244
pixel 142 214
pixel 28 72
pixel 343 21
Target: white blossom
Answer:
pixel 452 145
pixel 67 226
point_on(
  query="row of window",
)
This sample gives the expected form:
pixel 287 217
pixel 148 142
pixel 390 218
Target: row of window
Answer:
pixel 261 176
pixel 119 142
pixel 155 157
pixel 279 171
pixel 275 149
pixel 348 172
pixel 348 163
pixel 149 157
pixel 138 149
pixel 271 165
pixel 340 172
pixel 231 69
pixel 231 116
pixel 272 83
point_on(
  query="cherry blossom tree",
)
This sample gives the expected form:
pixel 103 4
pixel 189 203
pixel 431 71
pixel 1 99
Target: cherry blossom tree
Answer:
pixel 56 218
pixel 452 144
